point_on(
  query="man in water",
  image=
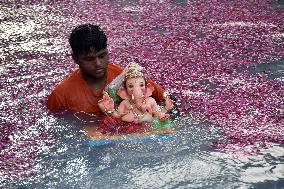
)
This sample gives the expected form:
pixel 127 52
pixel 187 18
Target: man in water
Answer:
pixel 82 90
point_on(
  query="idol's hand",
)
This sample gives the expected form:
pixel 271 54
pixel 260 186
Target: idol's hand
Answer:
pixel 106 104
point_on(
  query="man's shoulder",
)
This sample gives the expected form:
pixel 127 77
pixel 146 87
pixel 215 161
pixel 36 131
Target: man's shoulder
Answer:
pixel 69 82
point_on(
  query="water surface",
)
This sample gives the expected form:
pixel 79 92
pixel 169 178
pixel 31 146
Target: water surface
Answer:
pixel 222 60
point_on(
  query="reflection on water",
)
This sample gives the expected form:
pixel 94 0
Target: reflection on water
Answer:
pixel 186 161
pixel 230 130
pixel 71 162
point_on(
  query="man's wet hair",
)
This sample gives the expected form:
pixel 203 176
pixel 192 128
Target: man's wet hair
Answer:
pixel 87 37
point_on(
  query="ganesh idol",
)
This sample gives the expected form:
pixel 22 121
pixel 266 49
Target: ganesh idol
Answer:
pixel 137 110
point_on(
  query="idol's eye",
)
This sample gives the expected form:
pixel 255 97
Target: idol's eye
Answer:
pixel 142 85
pixel 130 86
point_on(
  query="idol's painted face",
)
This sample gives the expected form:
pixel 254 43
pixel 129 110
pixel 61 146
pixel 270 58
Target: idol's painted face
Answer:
pixel 93 64
pixel 136 86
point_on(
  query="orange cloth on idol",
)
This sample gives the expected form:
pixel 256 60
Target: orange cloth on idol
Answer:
pixel 74 94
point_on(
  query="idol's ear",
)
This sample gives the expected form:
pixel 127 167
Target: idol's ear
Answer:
pixel 149 90
pixel 123 93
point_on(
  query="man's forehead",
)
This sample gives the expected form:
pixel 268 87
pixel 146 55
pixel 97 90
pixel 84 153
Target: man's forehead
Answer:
pixel 94 52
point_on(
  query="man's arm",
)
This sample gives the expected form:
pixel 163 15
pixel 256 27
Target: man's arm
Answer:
pixel 54 103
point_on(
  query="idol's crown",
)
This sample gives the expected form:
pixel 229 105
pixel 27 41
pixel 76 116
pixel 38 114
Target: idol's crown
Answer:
pixel 133 71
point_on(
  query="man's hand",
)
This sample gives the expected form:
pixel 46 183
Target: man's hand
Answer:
pixel 169 103
pixel 163 117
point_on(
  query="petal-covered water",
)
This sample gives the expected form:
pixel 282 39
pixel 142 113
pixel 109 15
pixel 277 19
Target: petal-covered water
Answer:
pixel 223 60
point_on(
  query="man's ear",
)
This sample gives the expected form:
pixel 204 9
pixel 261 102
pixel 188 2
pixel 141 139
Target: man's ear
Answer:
pixel 149 90
pixel 123 93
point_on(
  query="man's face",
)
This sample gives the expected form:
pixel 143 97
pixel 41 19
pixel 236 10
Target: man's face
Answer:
pixel 93 64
